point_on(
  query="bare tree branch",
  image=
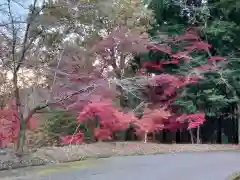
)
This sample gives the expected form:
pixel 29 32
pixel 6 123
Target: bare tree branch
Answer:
pixel 13 30
pixel 37 108
pixel 13 22
pixel 18 3
pixel 32 17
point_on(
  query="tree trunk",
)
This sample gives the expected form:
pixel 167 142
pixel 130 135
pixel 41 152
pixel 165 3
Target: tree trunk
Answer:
pixel 145 137
pixel 238 121
pixel 238 130
pixel 21 138
pixel 22 121
pixel 154 137
pixel 198 135
pixel 191 134
pixel 91 125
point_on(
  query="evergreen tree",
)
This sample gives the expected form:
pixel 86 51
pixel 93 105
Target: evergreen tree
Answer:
pixel 217 23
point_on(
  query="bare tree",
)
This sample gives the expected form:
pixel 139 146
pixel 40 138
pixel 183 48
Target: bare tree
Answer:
pixel 55 40
pixel 20 40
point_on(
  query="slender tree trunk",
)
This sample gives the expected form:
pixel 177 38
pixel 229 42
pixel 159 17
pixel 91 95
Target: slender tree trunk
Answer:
pixel 145 137
pixel 198 135
pixel 21 138
pixel 91 125
pixel 154 137
pixel 191 135
pixel 238 121
pixel 238 130
pixel 22 121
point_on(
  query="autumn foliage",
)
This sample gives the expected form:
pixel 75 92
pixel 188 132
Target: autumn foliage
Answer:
pixel 10 125
pixel 152 120
pixel 162 89
pixel 165 88
pixel 108 119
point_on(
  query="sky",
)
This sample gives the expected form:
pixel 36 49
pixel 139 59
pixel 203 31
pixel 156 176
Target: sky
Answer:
pixel 19 7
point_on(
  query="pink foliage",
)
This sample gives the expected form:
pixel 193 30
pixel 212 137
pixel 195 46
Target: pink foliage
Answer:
pixel 72 75
pixel 165 49
pixel 216 59
pixel 194 120
pixel 152 120
pixel 103 134
pixel 10 125
pixel 111 120
pixel 202 46
pixel 74 139
pixel 166 85
pixel 165 88
pixel 191 42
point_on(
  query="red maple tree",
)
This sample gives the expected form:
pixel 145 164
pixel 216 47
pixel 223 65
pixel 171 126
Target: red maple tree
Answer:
pixel 165 88
pixel 74 84
pixel 162 90
pixel 95 108
pixel 109 119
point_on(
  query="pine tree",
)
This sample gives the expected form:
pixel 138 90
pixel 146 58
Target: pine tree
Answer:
pixel 219 26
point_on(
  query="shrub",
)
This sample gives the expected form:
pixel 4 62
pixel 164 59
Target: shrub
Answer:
pixel 59 123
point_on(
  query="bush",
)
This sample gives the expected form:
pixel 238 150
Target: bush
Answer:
pixel 60 123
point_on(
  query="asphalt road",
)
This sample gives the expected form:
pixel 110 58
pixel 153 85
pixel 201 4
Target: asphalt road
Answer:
pixel 179 166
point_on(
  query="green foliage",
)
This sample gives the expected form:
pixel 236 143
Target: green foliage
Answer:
pixel 219 24
pixel 188 107
pixel 60 124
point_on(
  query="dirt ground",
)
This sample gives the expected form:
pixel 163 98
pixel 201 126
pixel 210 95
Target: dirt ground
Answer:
pixel 47 155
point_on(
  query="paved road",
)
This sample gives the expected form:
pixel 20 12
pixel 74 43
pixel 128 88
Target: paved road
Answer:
pixel 183 166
